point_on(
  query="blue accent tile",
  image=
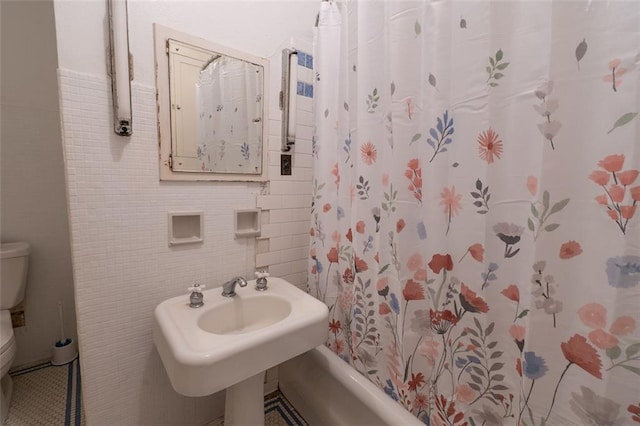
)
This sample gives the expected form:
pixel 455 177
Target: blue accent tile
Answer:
pixel 302 58
pixel 78 394
pixel 300 88
pixel 308 90
pixel 67 411
pixel 309 62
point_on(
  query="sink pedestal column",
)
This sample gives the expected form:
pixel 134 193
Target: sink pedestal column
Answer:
pixel 244 402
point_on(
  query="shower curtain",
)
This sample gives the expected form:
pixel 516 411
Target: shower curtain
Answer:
pixel 475 230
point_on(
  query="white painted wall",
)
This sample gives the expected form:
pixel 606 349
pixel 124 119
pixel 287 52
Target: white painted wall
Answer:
pixel 33 198
pixel 123 265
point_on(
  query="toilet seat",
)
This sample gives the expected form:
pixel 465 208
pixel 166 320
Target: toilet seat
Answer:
pixel 7 342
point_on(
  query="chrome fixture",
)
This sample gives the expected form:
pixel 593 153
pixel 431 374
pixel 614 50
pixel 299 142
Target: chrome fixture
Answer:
pixel 261 280
pixel 288 97
pixel 209 62
pixel 229 288
pixel 196 299
pixel 121 67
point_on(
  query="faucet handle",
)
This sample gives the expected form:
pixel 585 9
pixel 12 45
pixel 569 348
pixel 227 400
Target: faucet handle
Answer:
pixel 197 287
pixel 196 297
pixel 261 282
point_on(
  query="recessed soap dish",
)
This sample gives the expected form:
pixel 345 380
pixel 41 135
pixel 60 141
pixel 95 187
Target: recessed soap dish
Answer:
pixel 246 223
pixel 185 227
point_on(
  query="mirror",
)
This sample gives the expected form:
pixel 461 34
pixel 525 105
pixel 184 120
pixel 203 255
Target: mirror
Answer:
pixel 211 110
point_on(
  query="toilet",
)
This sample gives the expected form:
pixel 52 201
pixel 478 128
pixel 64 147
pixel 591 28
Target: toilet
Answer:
pixel 13 270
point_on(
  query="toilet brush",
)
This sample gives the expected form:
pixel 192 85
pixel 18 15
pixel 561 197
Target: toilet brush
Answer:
pixel 64 341
pixel 64 350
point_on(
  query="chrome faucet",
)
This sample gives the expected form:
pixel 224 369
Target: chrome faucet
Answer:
pixel 229 288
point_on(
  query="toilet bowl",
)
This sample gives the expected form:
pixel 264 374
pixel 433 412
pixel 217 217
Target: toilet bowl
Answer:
pixel 13 270
pixel 7 353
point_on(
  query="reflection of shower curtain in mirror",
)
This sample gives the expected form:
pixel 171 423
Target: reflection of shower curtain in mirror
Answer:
pixel 226 95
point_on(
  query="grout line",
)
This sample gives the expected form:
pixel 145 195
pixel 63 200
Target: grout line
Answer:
pixel 283 416
pixel 67 411
pixel 277 401
pixel 286 408
pixel 30 369
pixel 78 395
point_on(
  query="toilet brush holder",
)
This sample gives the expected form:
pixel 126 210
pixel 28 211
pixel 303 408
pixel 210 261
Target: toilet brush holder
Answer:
pixel 64 352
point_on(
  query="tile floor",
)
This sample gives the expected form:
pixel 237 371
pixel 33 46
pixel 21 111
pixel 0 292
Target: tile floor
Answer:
pixel 46 395
pixel 278 411
pixel 50 395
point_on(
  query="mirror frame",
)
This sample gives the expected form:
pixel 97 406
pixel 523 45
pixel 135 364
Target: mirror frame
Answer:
pixel 161 34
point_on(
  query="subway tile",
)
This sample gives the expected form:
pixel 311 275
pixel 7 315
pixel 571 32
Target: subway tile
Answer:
pixel 262 246
pixel 271 230
pixel 304 118
pixel 301 159
pixel 281 187
pixel 304 132
pixel 302 174
pixel 275 143
pixel 280 269
pixel 274 158
pixel 274 171
pixel 291 255
pixel 281 216
pixel 264 217
pixel 300 240
pixel 266 259
pixel 295 201
pixel 275 125
pixel 305 75
pixel 280 243
pixel 297 227
pixel 299 280
pixel 300 188
pixel 301 265
pixel 301 214
pixel 305 104
pixel 269 202
pixel 304 147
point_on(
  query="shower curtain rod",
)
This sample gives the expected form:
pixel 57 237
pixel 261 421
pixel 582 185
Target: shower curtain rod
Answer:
pixel 210 61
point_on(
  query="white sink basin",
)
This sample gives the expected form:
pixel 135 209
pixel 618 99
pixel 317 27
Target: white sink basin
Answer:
pixel 244 315
pixel 230 339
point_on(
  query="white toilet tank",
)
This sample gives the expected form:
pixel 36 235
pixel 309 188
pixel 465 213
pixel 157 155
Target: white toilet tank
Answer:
pixel 13 270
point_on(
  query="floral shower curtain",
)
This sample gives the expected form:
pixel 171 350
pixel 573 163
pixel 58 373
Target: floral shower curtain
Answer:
pixel 474 223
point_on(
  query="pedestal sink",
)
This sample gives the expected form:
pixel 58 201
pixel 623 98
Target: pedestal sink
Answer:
pixel 230 342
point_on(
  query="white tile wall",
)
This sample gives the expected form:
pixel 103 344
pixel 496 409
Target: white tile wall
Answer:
pixel 289 198
pixel 123 264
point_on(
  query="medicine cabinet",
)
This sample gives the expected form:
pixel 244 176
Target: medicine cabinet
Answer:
pixel 212 109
